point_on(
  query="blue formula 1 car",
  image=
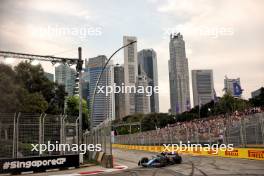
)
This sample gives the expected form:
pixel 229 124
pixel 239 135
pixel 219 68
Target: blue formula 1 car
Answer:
pixel 161 160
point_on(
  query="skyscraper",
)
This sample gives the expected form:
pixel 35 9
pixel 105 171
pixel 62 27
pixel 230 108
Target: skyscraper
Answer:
pixel 233 86
pixel 142 100
pixel 147 59
pixel 85 83
pixel 50 76
pixel 103 107
pixel 66 76
pixel 178 75
pixel 119 97
pixel 203 86
pixel 130 72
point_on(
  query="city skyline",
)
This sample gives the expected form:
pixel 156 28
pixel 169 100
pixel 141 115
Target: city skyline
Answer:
pixel 20 21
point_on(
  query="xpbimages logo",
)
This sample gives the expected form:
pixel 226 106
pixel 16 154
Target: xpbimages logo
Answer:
pixel 182 147
pixel 82 148
pixel 107 90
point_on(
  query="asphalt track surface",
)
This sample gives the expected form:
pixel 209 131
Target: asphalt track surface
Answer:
pixel 192 165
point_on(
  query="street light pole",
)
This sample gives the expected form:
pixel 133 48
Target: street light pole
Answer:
pixel 98 80
pixel 80 95
pixel 80 137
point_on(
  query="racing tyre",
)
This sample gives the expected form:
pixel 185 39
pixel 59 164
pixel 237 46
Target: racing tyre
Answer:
pixel 143 160
pixel 178 160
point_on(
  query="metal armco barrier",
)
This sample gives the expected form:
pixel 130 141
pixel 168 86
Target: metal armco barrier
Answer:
pixel 100 156
pixel 107 161
pixel 245 153
pixel 104 159
pixel 101 135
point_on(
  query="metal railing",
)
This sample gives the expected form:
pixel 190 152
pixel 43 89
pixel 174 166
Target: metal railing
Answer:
pixel 19 130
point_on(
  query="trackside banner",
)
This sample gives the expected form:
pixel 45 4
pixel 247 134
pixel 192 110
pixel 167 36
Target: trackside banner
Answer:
pixel 38 163
pixel 246 153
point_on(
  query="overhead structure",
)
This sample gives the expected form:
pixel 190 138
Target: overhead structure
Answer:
pixel 50 58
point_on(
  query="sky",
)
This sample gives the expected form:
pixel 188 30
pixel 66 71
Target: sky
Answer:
pixel 226 36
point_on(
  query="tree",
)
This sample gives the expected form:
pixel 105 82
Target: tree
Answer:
pixel 258 101
pixel 229 104
pixel 73 110
pixel 56 104
pixel 9 90
pixel 33 79
pixel 148 124
pixel 14 97
pixel 33 102
pixel 187 116
pixel 26 89
pixel 226 103
pixel 150 121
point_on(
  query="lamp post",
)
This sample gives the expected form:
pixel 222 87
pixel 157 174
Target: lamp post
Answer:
pixel 98 80
pixel 79 68
pixel 95 92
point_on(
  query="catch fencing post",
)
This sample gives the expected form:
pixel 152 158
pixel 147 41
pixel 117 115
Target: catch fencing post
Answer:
pixel 40 131
pixel 261 121
pixel 256 132
pixel 17 133
pixel 61 131
pixel 104 138
pixel 170 134
pixel 209 133
pixel 197 134
pixel 110 129
pixel 77 130
pixel 14 137
pixel 242 132
pixel 43 128
pixel 187 134
pixel 158 137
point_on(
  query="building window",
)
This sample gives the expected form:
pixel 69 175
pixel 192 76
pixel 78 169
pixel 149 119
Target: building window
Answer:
pixel 131 73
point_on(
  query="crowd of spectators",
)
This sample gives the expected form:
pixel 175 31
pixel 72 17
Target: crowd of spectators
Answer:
pixel 211 129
